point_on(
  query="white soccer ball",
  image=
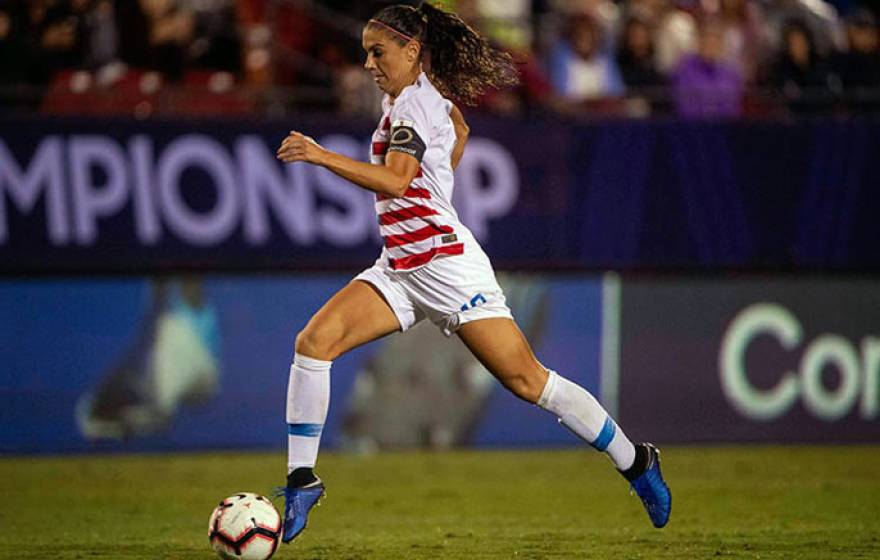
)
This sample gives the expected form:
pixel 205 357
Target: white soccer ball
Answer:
pixel 245 526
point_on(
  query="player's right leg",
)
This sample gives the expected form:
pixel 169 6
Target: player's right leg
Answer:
pixel 354 316
pixel 505 352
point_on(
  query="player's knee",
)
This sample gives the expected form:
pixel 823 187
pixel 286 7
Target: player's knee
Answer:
pixel 525 385
pixel 318 343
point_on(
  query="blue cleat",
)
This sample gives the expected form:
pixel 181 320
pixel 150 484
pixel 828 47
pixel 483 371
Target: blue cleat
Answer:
pixel 298 502
pixel 652 489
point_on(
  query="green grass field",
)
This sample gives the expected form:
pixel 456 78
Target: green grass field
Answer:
pixel 729 502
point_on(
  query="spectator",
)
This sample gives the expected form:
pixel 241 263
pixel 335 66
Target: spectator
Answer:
pixel 704 84
pixel 579 69
pixel 799 73
pixel 858 68
pixel 257 42
pixel 745 35
pixel 675 33
pixel 13 51
pixel 216 43
pixel 16 91
pixel 818 17
pixel 635 56
pixel 102 36
pixel 311 48
pixel 56 37
pixel 636 60
pixel 156 35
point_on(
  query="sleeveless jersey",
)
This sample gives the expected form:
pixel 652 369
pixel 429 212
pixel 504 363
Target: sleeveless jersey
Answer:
pixel 422 225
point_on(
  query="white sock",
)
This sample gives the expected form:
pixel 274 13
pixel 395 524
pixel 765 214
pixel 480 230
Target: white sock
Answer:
pixel 581 413
pixel 308 398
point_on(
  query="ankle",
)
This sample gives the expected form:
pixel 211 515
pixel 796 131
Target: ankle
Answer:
pixel 640 464
pixel 299 477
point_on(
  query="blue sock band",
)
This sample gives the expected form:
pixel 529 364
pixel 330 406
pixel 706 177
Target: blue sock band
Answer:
pixel 606 435
pixel 306 430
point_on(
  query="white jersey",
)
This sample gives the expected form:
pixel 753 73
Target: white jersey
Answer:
pixel 422 225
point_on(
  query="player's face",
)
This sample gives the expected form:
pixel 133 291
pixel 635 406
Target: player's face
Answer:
pixel 391 65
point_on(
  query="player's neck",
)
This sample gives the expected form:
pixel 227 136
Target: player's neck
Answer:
pixel 410 80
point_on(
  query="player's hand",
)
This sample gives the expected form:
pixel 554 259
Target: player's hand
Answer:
pixel 299 147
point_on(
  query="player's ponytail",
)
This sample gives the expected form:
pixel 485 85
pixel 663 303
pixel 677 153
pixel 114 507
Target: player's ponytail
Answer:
pixel 463 64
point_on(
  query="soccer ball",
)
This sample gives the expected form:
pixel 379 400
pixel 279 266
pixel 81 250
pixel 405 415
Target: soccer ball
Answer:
pixel 245 526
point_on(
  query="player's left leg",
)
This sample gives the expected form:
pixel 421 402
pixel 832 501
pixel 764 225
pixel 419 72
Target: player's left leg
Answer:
pixel 504 351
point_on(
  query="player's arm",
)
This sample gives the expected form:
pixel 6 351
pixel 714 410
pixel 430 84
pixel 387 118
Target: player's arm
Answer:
pixel 391 179
pixel 461 135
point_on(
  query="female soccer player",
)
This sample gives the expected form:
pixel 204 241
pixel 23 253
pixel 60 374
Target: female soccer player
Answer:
pixel 431 265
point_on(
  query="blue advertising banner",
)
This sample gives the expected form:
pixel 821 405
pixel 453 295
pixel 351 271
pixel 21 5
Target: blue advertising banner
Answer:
pixel 750 359
pixel 118 195
pixel 195 362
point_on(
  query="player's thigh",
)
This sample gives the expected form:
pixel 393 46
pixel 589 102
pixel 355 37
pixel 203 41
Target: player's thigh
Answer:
pixel 503 349
pixel 355 315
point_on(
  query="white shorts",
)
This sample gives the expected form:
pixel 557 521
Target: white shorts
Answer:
pixel 450 291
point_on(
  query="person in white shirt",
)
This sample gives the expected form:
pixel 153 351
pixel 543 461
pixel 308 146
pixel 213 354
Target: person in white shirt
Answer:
pixel 431 266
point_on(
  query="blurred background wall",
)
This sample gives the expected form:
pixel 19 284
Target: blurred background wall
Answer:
pixel 681 198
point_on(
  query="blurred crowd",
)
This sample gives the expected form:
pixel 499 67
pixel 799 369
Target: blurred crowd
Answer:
pixel 693 58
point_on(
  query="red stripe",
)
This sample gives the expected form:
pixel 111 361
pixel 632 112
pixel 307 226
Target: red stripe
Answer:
pixel 417 192
pixel 419 259
pixel 394 216
pixel 426 232
pixel 412 192
pixel 386 124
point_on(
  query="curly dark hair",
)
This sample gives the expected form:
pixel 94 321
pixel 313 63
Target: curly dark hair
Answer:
pixel 463 65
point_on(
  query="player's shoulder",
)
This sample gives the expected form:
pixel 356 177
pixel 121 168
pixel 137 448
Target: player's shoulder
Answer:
pixel 422 99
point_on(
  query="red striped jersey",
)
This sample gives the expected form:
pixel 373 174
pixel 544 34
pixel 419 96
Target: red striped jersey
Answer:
pixel 422 225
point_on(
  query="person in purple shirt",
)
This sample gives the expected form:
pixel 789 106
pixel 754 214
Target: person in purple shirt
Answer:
pixel 704 85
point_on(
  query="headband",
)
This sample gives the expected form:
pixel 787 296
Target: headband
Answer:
pixel 388 27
